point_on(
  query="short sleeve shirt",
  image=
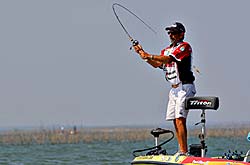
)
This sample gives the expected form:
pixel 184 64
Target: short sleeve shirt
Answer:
pixel 179 70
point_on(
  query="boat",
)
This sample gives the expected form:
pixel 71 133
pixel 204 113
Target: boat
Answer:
pixel 156 155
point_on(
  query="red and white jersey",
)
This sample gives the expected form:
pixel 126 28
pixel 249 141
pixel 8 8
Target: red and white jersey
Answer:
pixel 180 69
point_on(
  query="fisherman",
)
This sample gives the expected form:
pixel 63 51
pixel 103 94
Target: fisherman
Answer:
pixel 175 61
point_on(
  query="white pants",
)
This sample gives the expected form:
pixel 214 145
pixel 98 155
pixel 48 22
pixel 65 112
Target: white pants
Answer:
pixel 176 102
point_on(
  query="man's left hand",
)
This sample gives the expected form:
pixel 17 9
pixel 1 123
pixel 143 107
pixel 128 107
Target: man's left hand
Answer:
pixel 138 49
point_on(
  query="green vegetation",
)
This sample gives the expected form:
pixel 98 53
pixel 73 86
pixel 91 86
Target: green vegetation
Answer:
pixel 89 135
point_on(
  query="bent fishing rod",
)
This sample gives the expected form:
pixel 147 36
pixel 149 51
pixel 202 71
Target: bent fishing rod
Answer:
pixel 134 42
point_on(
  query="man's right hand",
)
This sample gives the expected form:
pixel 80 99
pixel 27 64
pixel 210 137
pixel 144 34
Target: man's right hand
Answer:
pixel 138 48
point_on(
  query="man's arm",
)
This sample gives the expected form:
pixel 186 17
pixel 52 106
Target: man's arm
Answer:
pixel 154 60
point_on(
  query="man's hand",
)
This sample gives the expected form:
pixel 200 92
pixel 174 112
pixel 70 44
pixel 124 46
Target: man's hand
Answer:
pixel 138 49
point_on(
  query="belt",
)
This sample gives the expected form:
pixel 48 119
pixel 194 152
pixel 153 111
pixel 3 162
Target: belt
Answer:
pixel 187 82
pixel 183 82
pixel 176 85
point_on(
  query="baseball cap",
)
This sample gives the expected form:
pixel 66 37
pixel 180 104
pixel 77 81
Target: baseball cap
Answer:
pixel 176 27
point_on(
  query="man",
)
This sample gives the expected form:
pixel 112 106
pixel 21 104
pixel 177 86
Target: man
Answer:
pixel 175 61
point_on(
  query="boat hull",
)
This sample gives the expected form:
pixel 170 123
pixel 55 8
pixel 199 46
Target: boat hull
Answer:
pixel 183 160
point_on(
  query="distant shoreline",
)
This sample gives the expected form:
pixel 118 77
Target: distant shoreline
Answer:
pixel 89 135
pixel 163 125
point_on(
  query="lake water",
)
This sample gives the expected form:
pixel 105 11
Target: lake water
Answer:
pixel 103 153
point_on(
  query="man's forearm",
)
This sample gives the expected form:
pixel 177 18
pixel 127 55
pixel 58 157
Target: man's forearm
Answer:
pixel 162 59
pixel 149 59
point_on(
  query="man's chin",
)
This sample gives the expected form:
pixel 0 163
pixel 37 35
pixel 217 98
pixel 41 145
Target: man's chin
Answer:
pixel 172 41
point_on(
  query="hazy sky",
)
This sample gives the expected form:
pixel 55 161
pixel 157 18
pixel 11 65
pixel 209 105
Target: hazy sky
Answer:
pixel 68 62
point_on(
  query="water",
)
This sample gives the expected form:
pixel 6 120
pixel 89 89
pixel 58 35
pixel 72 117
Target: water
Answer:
pixel 103 153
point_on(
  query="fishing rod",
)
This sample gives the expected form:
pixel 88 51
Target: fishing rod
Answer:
pixel 134 42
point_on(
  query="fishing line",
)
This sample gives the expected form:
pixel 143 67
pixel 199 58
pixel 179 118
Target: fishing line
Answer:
pixel 134 42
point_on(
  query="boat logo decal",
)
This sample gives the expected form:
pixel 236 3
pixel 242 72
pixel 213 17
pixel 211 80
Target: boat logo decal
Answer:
pixel 200 102
pixel 200 162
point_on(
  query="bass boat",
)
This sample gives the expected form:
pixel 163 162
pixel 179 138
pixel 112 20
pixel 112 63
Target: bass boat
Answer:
pixel 197 152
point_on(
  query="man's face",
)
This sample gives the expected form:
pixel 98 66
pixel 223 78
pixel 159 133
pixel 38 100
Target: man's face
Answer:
pixel 175 37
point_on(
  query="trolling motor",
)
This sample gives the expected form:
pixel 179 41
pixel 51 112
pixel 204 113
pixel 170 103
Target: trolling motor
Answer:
pixel 202 103
pixel 156 133
pixel 157 149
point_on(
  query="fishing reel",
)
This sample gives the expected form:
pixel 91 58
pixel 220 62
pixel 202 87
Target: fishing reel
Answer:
pixel 134 43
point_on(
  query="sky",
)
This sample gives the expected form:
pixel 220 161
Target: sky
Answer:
pixel 68 62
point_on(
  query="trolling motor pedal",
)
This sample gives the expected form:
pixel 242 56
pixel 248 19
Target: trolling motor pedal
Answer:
pixel 202 103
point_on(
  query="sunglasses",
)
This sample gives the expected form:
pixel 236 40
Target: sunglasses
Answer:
pixel 173 33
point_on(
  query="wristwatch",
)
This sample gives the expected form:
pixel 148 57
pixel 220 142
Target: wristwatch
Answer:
pixel 151 57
